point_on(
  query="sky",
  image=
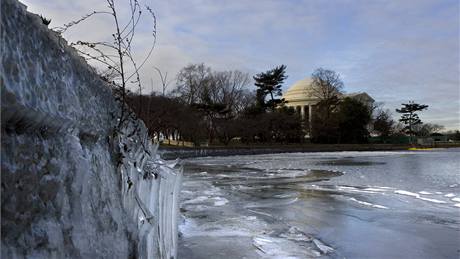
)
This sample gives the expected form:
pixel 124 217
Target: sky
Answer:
pixel 395 50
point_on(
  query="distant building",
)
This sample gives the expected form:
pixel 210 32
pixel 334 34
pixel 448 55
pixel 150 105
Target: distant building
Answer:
pixel 301 97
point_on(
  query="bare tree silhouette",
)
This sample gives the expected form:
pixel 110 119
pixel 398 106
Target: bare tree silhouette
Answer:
pixel 120 67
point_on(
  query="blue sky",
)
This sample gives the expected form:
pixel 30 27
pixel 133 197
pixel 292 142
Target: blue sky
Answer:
pixel 395 50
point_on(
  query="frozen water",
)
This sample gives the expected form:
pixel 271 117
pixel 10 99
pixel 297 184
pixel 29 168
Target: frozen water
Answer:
pixel 416 195
pixel 369 204
pixel 424 192
pixel 303 205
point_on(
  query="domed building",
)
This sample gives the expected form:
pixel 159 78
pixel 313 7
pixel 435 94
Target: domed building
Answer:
pixel 301 96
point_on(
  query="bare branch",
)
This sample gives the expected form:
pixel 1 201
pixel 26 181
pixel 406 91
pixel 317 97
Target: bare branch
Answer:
pixel 65 27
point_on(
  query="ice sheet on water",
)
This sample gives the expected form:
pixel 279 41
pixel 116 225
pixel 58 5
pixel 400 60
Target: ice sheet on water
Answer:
pixel 206 200
pixel 295 234
pixel 270 203
pixel 369 204
pixel 344 189
pixel 407 193
pixel 212 191
pixel 292 243
pixel 353 189
pixel 287 195
pixel 198 199
pixel 186 192
pixel 261 213
pixel 425 192
pixel 321 246
pixel 376 189
pixel 219 201
pixel 274 247
pixel 245 226
pixel 417 196
pixel 245 187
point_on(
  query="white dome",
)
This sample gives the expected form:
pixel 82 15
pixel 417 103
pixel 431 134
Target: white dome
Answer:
pixel 300 91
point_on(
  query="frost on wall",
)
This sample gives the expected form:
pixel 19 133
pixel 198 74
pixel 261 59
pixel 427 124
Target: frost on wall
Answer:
pixel 71 186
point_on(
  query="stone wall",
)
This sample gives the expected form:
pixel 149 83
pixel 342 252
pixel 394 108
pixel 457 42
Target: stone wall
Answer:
pixel 72 186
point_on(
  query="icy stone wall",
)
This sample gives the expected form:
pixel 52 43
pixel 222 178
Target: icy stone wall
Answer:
pixel 71 185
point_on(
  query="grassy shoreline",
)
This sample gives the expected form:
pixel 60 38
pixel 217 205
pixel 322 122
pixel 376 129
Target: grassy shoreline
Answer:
pixel 173 152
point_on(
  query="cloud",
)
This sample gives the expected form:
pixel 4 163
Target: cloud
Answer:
pixel 395 50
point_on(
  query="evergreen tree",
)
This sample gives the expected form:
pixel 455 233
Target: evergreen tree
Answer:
pixel 269 83
pixel 409 116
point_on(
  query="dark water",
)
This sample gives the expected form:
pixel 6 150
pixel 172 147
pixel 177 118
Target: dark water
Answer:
pixel 330 205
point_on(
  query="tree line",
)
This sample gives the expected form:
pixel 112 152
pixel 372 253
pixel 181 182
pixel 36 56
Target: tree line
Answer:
pixel 218 107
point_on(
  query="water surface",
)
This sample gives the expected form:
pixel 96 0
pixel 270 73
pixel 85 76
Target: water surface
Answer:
pixel 331 205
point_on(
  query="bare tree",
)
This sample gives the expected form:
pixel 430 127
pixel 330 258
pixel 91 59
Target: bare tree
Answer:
pixel 383 124
pixel 164 80
pixel 230 88
pixel 119 66
pixel 326 85
pixel 192 80
pixel 198 84
pixel 218 95
pixel 426 129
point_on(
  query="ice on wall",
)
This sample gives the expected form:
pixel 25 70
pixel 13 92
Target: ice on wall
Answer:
pixel 71 186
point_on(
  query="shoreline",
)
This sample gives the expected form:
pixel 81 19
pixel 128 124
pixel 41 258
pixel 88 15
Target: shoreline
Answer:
pixel 174 152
